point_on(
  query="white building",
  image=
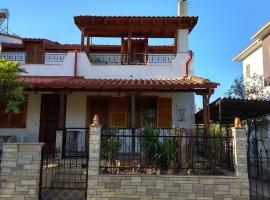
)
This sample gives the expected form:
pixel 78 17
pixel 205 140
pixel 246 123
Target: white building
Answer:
pixel 127 85
pixel 256 60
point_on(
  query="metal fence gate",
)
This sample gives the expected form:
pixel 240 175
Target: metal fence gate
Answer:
pixel 259 168
pixel 63 175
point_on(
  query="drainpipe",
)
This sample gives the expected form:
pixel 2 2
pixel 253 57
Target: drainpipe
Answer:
pixel 75 63
pixel 188 62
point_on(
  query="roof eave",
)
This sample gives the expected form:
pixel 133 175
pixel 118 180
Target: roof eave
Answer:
pixel 247 51
pixel 265 30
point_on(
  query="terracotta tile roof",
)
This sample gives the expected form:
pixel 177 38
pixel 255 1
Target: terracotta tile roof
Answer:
pixel 81 83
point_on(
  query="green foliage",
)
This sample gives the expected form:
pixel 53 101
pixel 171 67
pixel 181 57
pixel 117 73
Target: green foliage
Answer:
pixel 11 90
pixel 151 144
pixel 110 145
pixel 169 150
pixel 237 89
pixel 249 88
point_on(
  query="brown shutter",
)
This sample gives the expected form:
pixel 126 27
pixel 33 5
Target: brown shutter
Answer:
pixel 12 120
pixel 3 116
pixel 119 112
pixel 19 120
pixel 164 113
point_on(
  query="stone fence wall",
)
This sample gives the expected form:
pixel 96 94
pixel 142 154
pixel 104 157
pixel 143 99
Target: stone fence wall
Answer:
pixel 20 171
pixel 20 176
pixel 144 187
pixel 168 187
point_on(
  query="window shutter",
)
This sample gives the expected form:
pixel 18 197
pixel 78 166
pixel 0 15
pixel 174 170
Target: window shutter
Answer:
pixel 3 116
pixel 12 120
pixel 164 113
pixel 19 120
pixel 119 112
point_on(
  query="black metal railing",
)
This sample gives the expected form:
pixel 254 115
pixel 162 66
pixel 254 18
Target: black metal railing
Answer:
pixel 130 59
pixel 34 57
pixel 63 173
pixel 74 140
pixel 165 151
pixel 259 169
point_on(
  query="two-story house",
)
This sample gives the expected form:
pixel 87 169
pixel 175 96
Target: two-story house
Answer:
pixel 127 85
pixel 256 60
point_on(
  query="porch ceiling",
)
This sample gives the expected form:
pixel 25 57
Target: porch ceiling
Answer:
pixel 82 84
pixel 139 26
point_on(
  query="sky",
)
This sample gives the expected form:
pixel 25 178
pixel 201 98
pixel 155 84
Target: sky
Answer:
pixel 223 30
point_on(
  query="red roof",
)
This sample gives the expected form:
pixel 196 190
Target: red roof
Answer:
pixel 81 83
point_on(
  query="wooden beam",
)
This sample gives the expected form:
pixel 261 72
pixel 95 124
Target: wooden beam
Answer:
pixel 205 112
pixel 129 47
pixel 82 40
pixel 175 42
pixel 88 44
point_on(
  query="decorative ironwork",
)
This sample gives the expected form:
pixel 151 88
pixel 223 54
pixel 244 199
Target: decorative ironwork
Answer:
pixel 259 169
pixel 165 151
pixel 130 59
pixel 63 177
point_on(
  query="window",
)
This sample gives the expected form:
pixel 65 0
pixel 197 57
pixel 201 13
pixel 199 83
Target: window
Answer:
pixel 248 70
pixel 12 120
pixel 146 111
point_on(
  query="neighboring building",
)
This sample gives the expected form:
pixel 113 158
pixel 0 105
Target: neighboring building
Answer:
pixel 256 57
pixel 256 60
pixel 127 85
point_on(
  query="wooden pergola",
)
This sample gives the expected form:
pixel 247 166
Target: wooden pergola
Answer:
pixel 131 27
pixel 225 110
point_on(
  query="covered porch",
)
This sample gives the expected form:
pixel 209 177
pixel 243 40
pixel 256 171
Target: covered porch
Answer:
pixel 68 102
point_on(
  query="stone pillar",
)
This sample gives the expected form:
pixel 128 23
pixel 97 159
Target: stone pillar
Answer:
pixel 240 151
pixel 20 171
pixel 94 160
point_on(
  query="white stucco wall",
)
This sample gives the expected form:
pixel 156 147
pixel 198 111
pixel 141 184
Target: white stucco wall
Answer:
pixel 255 60
pixel 31 132
pixel 173 70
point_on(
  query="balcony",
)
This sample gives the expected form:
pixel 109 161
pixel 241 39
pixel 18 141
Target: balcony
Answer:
pixel 130 59
pixel 34 57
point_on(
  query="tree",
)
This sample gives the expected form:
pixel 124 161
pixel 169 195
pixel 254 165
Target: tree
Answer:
pixel 11 89
pixel 249 88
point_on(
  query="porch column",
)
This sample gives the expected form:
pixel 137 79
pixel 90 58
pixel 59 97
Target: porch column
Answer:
pixel 123 58
pixel 82 40
pixel 87 44
pixel 133 123
pixel 129 48
pixel 206 117
pixel 62 111
pixel 175 42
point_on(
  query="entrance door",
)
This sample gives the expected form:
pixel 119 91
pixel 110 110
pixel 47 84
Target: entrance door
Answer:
pixel 97 106
pixel 49 119
pixel 100 107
